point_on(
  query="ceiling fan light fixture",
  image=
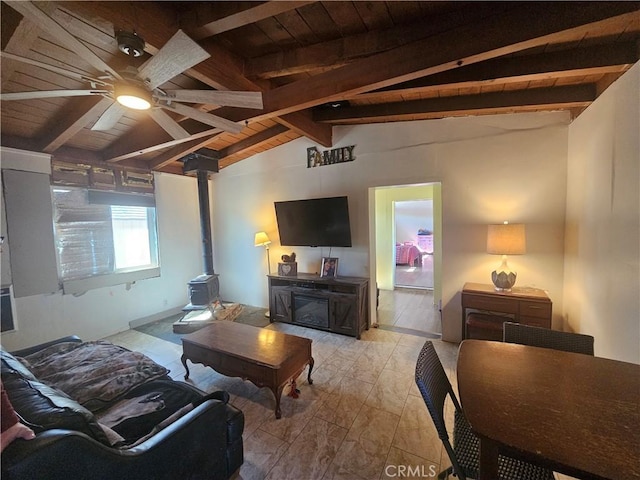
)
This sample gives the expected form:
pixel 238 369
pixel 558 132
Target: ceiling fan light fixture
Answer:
pixel 130 43
pixel 132 96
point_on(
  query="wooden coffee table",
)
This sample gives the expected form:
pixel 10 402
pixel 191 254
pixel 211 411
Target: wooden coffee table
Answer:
pixel 265 357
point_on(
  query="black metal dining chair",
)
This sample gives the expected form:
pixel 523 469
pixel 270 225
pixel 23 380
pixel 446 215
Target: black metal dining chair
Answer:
pixel 547 338
pixel 434 386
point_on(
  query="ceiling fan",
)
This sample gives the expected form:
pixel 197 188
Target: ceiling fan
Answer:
pixel 136 88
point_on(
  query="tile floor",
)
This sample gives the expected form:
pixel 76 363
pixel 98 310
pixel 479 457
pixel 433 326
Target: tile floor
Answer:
pixel 362 413
pixel 420 276
pixel 363 418
pixel 409 308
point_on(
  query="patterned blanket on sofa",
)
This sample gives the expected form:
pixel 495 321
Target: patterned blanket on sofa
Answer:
pixel 95 374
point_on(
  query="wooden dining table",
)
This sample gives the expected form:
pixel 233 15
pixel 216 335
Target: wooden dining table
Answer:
pixel 572 413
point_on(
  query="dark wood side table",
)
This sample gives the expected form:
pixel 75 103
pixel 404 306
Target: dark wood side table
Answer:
pixel 530 306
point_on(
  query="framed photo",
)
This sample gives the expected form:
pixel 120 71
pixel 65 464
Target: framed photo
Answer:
pixel 329 267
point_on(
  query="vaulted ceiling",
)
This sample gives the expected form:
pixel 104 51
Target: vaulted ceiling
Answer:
pixel 317 64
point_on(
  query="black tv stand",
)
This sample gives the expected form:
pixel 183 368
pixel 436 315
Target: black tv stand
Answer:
pixel 333 304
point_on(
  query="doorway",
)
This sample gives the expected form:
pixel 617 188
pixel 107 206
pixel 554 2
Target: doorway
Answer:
pixel 412 307
pixel 413 233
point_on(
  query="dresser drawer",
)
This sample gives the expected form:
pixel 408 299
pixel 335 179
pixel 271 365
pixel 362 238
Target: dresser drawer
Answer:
pixel 248 369
pixel 535 309
pixel 536 321
pixel 529 306
pixel 493 303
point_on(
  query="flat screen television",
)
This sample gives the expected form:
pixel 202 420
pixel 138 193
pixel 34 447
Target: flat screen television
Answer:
pixel 316 222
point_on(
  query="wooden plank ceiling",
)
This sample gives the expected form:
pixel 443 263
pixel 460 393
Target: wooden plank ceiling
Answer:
pixel 317 64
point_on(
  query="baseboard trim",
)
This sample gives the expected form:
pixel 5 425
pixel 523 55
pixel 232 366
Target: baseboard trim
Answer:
pixel 155 317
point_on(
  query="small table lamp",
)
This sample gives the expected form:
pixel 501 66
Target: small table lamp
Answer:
pixel 505 239
pixel 263 240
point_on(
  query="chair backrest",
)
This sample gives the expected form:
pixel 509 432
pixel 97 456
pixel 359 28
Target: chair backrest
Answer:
pixel 546 338
pixel 434 387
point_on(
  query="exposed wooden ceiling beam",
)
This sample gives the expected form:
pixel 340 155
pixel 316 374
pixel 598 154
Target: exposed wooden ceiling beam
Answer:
pixel 71 120
pixel 415 60
pixel 318 132
pixel 490 40
pixel 548 98
pixel 173 168
pixel 76 155
pixel 598 59
pixel 605 82
pixel 120 153
pixel 179 151
pixel 134 148
pixel 240 19
pixel 332 53
pixel 343 50
pixel 253 141
pixel 223 70
pixel 411 61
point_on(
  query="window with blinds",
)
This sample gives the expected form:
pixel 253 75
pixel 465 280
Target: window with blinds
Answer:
pixel 103 238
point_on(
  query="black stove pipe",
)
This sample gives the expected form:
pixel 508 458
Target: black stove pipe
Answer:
pixel 205 220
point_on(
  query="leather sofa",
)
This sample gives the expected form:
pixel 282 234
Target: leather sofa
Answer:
pixel 203 439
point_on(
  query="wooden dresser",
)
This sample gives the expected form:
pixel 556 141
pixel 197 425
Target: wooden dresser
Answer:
pixel 530 306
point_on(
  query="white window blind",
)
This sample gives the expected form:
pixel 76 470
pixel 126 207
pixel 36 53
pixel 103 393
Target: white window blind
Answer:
pixel 103 238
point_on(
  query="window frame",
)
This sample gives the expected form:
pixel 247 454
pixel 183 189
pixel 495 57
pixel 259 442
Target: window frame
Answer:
pixel 121 276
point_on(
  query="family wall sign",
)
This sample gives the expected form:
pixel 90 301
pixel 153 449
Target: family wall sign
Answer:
pixel 316 158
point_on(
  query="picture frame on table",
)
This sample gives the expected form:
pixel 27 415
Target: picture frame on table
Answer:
pixel 329 267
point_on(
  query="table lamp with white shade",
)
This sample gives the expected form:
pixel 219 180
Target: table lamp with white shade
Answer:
pixel 505 239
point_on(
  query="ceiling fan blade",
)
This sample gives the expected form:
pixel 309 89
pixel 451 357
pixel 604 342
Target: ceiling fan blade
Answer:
pixel 179 54
pixel 109 118
pixel 218 97
pixel 50 94
pixel 46 23
pixel 53 68
pixel 169 124
pixel 207 118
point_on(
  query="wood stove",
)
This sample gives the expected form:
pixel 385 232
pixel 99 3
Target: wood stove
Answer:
pixel 204 290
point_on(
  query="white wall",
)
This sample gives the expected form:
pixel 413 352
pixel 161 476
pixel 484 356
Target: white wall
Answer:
pixel 102 312
pixel 506 167
pixel 602 262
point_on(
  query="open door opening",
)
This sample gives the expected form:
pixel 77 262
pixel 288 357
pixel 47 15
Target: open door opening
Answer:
pixel 413 233
pixel 406 256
